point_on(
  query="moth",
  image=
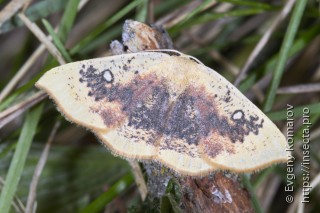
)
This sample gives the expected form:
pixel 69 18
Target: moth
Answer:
pixel 166 106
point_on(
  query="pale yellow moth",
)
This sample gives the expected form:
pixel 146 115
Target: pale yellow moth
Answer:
pixel 166 106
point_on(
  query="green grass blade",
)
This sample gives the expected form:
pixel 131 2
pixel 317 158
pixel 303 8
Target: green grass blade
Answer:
pixel 88 39
pixel 207 17
pixel 261 176
pixel 105 198
pixel 297 111
pixel 301 42
pixel 170 201
pixel 57 41
pixel 35 12
pixel 19 158
pixel 168 6
pixel 168 204
pixel 249 3
pixel 284 51
pixel 7 149
pixel 254 199
pixel 142 11
pixel 4 104
pixel 102 39
pixel 67 20
pixel 194 12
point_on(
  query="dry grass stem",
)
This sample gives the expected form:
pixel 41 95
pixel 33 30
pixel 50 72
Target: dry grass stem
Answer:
pixel 150 15
pixel 317 73
pixel 139 179
pixel 177 15
pixel 298 205
pixel 303 88
pixel 234 70
pixel 229 66
pixel 16 203
pixel 16 110
pixel 42 37
pixel 258 93
pixel 270 191
pixel 38 170
pixel 251 25
pixel 21 72
pixel 259 87
pixel 26 5
pixel 10 9
pixel 315 134
pixel 31 60
pixel 82 4
pixel 315 182
pixel 264 40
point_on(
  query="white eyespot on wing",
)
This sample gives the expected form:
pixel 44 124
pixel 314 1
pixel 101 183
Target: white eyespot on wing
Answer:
pixel 237 115
pixel 108 76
